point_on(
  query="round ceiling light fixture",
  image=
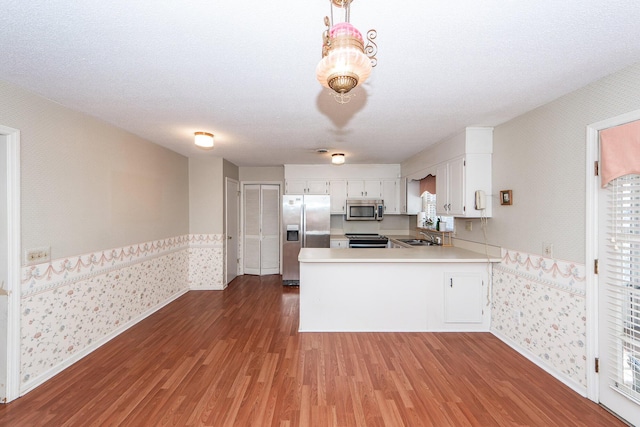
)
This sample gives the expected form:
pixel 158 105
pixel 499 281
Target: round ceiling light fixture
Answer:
pixel 337 158
pixel 203 139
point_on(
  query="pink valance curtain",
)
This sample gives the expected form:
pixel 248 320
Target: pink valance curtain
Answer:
pixel 619 151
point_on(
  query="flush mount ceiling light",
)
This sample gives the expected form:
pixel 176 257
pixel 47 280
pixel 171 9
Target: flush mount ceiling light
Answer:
pixel 346 62
pixel 203 139
pixel 337 158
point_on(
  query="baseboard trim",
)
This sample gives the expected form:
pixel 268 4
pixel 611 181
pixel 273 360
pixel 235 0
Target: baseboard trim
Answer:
pixel 47 375
pixel 578 388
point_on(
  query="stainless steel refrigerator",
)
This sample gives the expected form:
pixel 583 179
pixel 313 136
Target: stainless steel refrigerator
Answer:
pixel 306 222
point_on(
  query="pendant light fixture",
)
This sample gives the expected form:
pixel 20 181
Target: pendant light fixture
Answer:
pixel 203 139
pixel 346 61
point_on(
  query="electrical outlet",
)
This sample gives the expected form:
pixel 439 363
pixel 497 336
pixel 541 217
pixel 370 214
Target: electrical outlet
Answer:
pixel 516 316
pixel 37 255
pixel 547 249
pixel 468 226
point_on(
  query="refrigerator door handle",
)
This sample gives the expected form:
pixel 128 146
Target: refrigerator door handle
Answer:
pixel 303 223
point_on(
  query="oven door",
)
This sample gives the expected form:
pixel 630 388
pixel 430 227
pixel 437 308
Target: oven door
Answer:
pixel 367 245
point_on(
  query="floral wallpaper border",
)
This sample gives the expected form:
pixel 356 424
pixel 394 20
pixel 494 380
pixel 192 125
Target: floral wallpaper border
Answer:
pixel 565 275
pixel 208 248
pixel 539 308
pixel 46 276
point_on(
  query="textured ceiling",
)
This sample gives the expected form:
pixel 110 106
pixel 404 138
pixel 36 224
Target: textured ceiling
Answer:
pixel 246 70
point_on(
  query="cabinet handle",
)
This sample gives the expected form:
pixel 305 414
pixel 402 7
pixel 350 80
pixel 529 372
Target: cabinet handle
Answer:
pixel 451 281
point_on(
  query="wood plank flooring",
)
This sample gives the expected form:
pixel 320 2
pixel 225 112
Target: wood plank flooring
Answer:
pixel 235 358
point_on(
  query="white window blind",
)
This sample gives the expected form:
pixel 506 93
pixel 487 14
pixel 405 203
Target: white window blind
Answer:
pixel 623 284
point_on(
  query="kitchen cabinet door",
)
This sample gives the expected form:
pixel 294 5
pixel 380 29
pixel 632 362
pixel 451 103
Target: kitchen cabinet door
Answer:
pixel 364 189
pixel 463 294
pixel 456 187
pixel 304 186
pixel 390 197
pixel 338 196
pixel 409 200
pixel 450 191
pixel 442 189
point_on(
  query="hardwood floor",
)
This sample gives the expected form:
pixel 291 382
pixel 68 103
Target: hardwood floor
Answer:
pixel 235 358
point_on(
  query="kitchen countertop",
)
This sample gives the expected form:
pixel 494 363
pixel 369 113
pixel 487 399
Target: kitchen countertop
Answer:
pixel 417 254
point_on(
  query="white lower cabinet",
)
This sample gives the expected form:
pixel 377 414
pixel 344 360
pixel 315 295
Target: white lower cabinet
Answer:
pixel 463 294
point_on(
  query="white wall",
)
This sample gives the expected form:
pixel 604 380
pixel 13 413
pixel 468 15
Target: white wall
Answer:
pixel 87 185
pixel 541 156
pixel 262 174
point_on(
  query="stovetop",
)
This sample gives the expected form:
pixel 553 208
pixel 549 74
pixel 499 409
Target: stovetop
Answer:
pixel 366 236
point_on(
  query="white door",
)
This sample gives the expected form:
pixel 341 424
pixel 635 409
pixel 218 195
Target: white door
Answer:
pixel 619 297
pixel 232 204
pixel 618 285
pixel 262 229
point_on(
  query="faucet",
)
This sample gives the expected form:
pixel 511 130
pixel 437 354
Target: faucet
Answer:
pixel 429 237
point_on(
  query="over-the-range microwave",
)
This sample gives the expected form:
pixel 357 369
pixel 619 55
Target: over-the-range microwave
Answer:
pixel 364 210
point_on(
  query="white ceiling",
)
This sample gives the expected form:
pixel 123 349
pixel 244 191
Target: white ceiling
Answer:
pixel 245 70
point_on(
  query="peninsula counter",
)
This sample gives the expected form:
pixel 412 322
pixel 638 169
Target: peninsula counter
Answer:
pixel 416 289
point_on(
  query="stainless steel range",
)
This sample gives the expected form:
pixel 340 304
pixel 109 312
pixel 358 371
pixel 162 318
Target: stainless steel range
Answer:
pixel 367 241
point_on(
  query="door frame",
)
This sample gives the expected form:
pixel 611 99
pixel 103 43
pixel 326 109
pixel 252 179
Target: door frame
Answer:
pixel 591 249
pixel 226 225
pixel 14 261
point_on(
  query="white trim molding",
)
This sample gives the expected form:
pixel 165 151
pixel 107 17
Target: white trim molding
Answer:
pixel 13 273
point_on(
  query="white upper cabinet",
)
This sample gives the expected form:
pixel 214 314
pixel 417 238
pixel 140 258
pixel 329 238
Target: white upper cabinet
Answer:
pixel 367 189
pixel 409 200
pixel 338 196
pixel 450 188
pixel 346 181
pixel 462 165
pixel 390 197
pixel 304 186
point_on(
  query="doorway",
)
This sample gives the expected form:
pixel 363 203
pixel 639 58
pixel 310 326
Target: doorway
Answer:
pixel 613 287
pixel 261 225
pixel 9 264
pixel 232 226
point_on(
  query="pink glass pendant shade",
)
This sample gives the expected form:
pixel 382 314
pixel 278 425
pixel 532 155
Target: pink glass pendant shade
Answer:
pixel 345 65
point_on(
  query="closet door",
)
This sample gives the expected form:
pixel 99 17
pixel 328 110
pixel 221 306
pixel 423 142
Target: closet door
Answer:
pixel 270 243
pixel 251 229
pixel 261 229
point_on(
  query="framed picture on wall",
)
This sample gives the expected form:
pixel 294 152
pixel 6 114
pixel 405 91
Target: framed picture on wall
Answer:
pixel 506 197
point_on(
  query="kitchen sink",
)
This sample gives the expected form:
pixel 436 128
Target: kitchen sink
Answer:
pixel 417 242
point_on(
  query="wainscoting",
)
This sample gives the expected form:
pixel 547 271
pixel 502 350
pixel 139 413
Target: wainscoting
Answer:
pixel 539 309
pixel 72 306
